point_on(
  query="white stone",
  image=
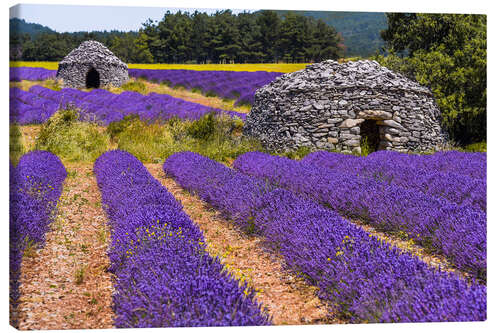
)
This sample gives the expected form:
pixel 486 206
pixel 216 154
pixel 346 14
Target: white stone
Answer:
pixel 374 114
pixel 348 123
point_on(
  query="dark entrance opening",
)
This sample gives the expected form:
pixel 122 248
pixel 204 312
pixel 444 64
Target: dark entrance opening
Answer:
pixel 92 80
pixel 370 135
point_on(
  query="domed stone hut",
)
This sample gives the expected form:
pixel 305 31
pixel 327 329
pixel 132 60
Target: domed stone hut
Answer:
pixel 92 65
pixel 336 106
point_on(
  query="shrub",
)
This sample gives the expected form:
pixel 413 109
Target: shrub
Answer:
pixel 213 136
pixel 147 142
pixel 447 53
pixel 116 127
pixel 202 128
pixel 67 137
pixel 366 148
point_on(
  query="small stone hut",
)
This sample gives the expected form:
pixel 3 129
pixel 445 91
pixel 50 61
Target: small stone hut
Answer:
pixel 336 106
pixel 92 65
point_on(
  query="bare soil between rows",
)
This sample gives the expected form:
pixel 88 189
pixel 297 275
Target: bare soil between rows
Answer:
pixel 288 298
pixel 65 284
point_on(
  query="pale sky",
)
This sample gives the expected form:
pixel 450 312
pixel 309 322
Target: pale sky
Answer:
pixel 70 18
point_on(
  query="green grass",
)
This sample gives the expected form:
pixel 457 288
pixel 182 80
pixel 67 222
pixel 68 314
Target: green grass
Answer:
pixel 216 137
pixel 16 146
pixel 53 84
pixel 476 147
pixel 70 139
pixel 136 86
pixel 298 154
pixel 366 148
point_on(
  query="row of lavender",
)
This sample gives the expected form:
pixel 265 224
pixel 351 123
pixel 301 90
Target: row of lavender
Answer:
pixel 361 277
pixel 455 176
pixel 35 187
pixel 471 165
pixel 226 84
pixel 457 231
pixel 31 74
pixel 164 276
pixel 39 103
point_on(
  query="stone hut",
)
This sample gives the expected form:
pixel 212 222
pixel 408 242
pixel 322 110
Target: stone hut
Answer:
pixel 92 65
pixel 336 106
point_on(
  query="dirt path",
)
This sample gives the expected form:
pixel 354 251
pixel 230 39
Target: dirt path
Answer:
pixel 288 299
pixel 409 246
pixel 65 285
pixel 29 135
pixel 196 97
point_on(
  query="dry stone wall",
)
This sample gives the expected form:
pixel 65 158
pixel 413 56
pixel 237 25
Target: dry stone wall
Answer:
pixel 74 68
pixel 324 106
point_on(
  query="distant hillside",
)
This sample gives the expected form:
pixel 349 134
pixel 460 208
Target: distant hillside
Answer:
pixel 20 26
pixel 361 30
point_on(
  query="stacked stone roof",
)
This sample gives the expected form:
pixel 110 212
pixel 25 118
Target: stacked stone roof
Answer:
pixel 92 52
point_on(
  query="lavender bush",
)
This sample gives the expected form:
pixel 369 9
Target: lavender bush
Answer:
pixel 28 108
pixel 164 276
pixel 453 176
pixel 226 84
pixel 457 231
pixel 39 103
pixel 361 277
pixel 35 187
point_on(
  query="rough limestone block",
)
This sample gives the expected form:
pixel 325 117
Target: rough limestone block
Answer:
pixel 374 114
pixel 357 150
pixel 391 123
pixel 348 123
pixel 351 143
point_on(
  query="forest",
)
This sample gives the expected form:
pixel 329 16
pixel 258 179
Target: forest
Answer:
pixel 181 37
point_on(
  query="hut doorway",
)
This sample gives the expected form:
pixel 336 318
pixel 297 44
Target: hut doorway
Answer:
pixel 92 79
pixel 370 135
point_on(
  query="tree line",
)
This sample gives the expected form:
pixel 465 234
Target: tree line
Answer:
pixel 182 37
pixel 447 53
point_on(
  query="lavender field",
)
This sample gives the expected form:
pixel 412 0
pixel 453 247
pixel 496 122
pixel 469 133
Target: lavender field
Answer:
pixel 239 86
pixel 164 276
pixel 38 104
pixel 353 270
pixel 387 237
pixel 455 227
pixel 226 84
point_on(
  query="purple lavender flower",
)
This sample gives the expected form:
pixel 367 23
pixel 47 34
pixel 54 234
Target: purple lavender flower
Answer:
pixel 225 84
pixel 457 231
pixel 164 275
pixel 35 187
pixel 31 73
pixel 39 103
pixel 361 277
pixel 454 176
